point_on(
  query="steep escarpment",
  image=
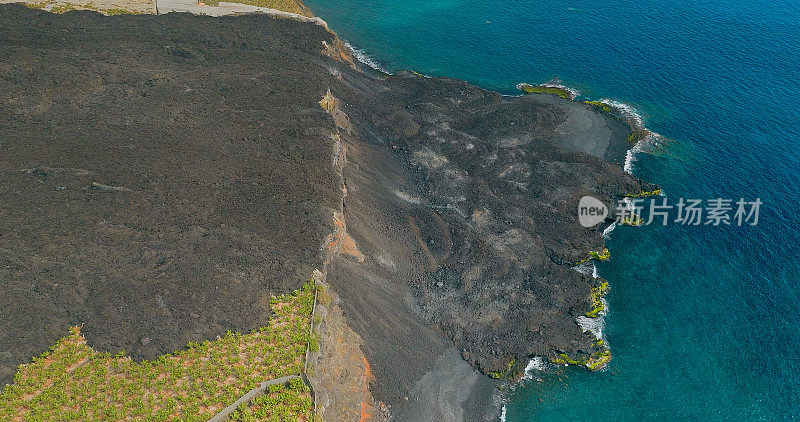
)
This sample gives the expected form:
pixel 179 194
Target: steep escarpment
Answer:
pixel 162 176
pixel 474 229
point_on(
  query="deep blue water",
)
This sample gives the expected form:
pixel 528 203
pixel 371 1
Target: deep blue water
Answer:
pixel 704 321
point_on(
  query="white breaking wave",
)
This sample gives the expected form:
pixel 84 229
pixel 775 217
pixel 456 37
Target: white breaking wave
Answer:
pixel 629 159
pixel 628 112
pixel 363 57
pixel 609 229
pixel 503 414
pixel 632 116
pixel 572 91
pixel 594 325
pixel 584 267
pixel 652 138
pixel 536 364
pixel 587 268
pixel 553 83
pixel 628 203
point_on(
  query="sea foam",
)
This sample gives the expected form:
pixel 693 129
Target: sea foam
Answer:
pixel 636 121
pixel 534 365
pixel 584 267
pixel 607 231
pixel 554 83
pixel 628 112
pixel 363 57
pixel 594 325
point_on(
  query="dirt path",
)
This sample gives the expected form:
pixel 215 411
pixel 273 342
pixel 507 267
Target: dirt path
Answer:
pixel 224 8
pixel 108 7
pixel 226 413
pixel 158 7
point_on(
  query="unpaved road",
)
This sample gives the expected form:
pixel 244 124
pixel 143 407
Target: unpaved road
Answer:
pixel 224 8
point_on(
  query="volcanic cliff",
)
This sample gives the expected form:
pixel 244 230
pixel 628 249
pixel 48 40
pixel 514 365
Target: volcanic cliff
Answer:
pixel 162 176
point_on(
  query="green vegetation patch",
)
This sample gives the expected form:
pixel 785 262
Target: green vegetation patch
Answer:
pixel 598 360
pixel 71 381
pixel 637 134
pixel 632 220
pixel 601 106
pixel 645 194
pixel 596 299
pixel 542 89
pixel 603 255
pixel 507 374
pixel 594 361
pixel 289 402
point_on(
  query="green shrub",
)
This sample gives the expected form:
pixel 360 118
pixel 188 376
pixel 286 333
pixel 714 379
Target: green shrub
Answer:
pixel 541 89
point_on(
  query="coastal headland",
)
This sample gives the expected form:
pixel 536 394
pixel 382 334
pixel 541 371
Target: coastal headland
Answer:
pixel 162 177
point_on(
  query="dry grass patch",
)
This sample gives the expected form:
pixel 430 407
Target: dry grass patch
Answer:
pixel 291 6
pixel 106 7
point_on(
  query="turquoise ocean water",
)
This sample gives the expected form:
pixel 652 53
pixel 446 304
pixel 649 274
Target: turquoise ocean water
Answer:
pixel 704 322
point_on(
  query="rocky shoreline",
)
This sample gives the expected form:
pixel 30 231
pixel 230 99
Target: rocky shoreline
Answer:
pixel 243 143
